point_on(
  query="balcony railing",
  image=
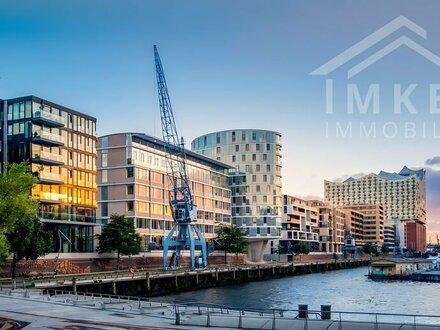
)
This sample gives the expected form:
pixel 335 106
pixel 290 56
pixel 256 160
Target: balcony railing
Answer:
pixel 67 217
pixel 41 136
pixel 48 118
pixel 48 176
pixel 47 157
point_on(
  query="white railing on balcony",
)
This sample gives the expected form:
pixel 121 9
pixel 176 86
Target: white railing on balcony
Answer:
pixel 49 116
pixel 48 136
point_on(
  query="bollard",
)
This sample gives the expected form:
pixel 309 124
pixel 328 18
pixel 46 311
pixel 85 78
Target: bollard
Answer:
pixel 208 319
pixel 240 321
pixel 74 285
pixel 177 318
pixel 326 312
pixel 303 311
pixel 273 320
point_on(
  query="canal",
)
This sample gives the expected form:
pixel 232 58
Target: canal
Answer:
pixel 344 290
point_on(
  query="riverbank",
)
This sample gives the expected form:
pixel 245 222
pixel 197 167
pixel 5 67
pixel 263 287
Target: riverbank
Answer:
pixel 150 284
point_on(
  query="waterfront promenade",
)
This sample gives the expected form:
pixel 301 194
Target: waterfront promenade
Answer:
pixel 62 310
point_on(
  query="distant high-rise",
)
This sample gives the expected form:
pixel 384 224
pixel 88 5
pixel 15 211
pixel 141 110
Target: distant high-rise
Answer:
pixel 255 183
pixel 60 145
pixel 402 195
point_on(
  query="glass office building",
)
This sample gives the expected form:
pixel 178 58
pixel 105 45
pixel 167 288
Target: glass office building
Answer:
pixel 255 181
pixel 60 145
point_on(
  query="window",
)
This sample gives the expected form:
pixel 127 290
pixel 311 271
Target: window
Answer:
pixel 218 138
pixel 268 167
pixel 237 147
pixel 104 157
pixel 257 146
pixel 264 156
pixel 104 176
pixel 268 147
pixel 257 167
pixel 264 178
pixel 247 147
pixel 254 136
pixel 243 136
pixel 104 140
pixel 130 172
pixel 257 187
pixel 130 189
pixel 104 209
pixel 254 178
pixel 233 159
pixel 130 206
pixel 104 193
pixel 254 157
pixel 218 150
pixel 243 158
pixel 233 136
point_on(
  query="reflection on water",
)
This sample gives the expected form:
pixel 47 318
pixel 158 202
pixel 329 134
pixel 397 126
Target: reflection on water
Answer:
pixel 344 290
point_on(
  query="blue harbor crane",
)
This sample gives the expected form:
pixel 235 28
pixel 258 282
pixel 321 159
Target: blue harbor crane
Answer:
pixel 185 233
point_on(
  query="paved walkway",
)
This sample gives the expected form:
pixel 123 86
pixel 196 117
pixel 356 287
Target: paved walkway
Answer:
pixel 50 315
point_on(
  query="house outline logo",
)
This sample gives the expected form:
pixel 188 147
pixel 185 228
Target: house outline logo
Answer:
pixel 373 39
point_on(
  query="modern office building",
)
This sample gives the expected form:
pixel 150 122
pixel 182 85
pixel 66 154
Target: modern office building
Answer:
pixel 372 222
pixel 60 145
pixel 255 156
pixel 402 195
pixel 132 180
pixel 300 223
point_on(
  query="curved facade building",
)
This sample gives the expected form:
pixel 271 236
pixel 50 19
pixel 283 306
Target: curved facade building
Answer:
pixel 255 182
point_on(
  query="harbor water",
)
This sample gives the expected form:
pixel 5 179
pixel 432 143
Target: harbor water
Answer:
pixel 344 290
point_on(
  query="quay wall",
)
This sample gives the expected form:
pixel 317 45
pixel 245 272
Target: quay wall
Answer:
pixel 158 284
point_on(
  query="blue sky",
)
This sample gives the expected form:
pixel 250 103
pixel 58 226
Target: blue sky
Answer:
pixel 229 64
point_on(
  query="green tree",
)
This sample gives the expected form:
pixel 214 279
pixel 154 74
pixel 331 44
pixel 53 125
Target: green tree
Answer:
pixel 231 239
pixel 28 239
pixel 300 248
pixel 370 248
pixel 16 201
pixel 280 250
pixel 385 249
pixel 119 235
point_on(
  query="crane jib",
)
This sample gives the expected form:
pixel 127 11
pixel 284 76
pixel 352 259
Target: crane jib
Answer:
pixel 185 232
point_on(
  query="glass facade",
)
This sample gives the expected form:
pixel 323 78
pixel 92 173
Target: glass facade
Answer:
pixel 255 182
pixel 60 145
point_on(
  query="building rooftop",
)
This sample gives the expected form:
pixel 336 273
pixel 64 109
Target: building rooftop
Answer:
pixel 159 144
pixel 52 104
pixel 404 173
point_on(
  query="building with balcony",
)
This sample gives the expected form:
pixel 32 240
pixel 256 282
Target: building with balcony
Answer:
pixel 331 226
pixel 60 145
pixel 372 222
pixel 402 196
pixel 255 156
pixel 133 180
pixel 300 222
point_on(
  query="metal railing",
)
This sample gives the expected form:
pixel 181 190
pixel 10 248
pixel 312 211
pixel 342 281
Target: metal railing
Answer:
pixel 215 315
